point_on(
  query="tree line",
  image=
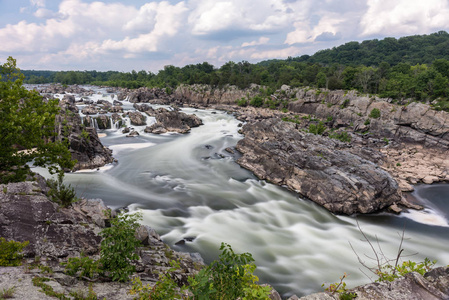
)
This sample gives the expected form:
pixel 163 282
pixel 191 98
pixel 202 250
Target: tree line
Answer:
pixel 409 67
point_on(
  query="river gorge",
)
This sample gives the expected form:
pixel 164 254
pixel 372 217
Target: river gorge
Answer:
pixel 193 193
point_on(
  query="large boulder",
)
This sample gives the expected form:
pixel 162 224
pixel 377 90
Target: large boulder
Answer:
pixel 322 169
pixel 171 120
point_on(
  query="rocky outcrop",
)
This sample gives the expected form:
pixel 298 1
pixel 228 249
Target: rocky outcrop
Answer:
pixel 322 169
pixel 84 143
pixel 142 95
pixel 206 95
pixel 136 118
pixel 169 120
pixel 434 285
pixel 56 233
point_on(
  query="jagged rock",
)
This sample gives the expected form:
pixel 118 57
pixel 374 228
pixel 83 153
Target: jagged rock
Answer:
pixel 133 134
pixel 173 121
pixel 137 119
pixel 87 150
pixel 434 285
pixel 316 167
pixel 90 110
pixel 126 130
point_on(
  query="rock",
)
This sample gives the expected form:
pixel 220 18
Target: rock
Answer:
pixel 316 167
pixel 90 110
pixel 85 145
pixel 137 119
pixel 133 134
pixel 230 150
pixel 173 121
pixel 126 130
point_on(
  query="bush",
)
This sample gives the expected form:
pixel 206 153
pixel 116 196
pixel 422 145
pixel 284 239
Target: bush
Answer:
pixel 60 193
pixel 242 102
pixel 10 252
pixel 341 136
pixel 390 273
pixel 230 277
pixel 257 101
pixel 85 266
pixel 118 247
pixel 375 113
pixel 319 128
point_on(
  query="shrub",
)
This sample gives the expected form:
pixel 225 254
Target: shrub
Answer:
pixel 242 102
pixel 230 277
pixel 341 136
pixel 390 273
pixel 7 293
pixel 375 113
pixel 257 101
pixel 344 104
pixel 60 193
pixel 85 266
pixel 319 128
pixel 118 247
pixel 10 252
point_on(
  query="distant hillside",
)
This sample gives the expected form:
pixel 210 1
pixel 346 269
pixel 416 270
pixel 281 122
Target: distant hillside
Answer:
pixel 416 49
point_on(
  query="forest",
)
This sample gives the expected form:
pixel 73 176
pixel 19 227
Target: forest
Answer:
pixel 412 67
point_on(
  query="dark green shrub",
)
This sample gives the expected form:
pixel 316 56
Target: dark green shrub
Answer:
pixel 10 252
pixel 375 113
pixel 341 136
pixel 318 129
pixel 60 193
pixel 257 101
pixel 118 247
pixel 84 266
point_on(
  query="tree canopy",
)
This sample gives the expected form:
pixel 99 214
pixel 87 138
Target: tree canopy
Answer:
pixel 27 128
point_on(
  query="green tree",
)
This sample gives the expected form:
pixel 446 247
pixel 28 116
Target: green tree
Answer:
pixel 27 129
pixel 118 247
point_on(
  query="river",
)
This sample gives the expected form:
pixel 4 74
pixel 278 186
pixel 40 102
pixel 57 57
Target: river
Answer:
pixel 189 186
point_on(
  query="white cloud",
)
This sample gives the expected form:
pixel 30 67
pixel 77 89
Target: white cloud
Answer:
pixel 404 17
pixel 306 33
pixel 38 3
pixel 209 17
pixel 167 21
pixel 261 41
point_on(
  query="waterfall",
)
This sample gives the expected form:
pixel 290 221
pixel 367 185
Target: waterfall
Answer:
pixel 93 123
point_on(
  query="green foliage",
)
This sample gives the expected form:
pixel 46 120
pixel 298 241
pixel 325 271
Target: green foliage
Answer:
pixel 367 122
pixel 84 266
pixel 85 135
pixel 118 247
pixel 390 273
pixel 340 288
pixel 375 113
pixel 256 101
pixel 341 136
pixel 165 288
pixel 344 104
pixel 230 277
pixel 80 295
pixel 242 102
pixel 27 125
pixel 318 129
pixel 61 193
pixel 7 293
pixel 10 252
pixel 47 289
pixel 295 120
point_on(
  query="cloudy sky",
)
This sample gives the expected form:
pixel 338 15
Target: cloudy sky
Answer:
pixel 146 35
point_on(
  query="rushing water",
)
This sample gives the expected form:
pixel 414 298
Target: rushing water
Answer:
pixel 189 186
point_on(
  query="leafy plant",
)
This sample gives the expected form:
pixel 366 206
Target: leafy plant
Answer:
pixel 118 247
pixel 375 113
pixel 61 193
pixel 229 277
pixel 344 104
pixel 318 129
pixel 341 136
pixel 84 266
pixel 10 252
pixel 165 288
pixel 7 293
pixel 340 288
pixel 256 101
pixel 27 122
pixel 47 289
pixel 390 272
pixel 242 102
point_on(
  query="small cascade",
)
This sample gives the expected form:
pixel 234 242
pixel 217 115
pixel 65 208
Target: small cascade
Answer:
pixel 93 123
pixel 114 125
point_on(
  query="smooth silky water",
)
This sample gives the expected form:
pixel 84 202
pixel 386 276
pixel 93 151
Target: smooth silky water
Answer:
pixel 188 186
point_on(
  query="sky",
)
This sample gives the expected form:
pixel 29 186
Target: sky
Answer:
pixel 146 35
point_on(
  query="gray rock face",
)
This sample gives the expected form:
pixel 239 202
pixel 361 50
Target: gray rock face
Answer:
pixel 27 215
pixel 87 150
pixel 173 121
pixel 434 285
pixel 137 118
pixel 322 169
